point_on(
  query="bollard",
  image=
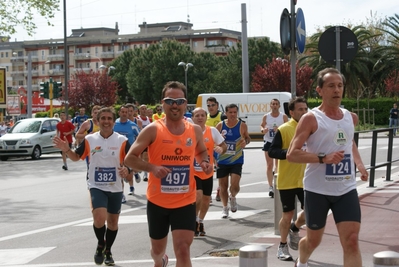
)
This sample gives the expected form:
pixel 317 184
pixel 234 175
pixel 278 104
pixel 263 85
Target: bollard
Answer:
pixel 386 258
pixel 253 256
pixel 278 210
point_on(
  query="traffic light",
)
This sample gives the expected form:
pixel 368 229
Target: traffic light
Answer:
pixel 57 90
pixel 44 90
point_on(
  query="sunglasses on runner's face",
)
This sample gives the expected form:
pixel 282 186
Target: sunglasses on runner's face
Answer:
pixel 171 101
pixel 211 105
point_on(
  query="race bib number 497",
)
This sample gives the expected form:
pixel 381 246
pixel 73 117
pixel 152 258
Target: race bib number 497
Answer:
pixel 177 181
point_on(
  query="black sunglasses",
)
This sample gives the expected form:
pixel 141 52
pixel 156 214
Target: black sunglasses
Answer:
pixel 211 105
pixel 177 101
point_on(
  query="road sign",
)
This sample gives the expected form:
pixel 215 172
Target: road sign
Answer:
pixel 348 45
pixel 285 26
pixel 300 31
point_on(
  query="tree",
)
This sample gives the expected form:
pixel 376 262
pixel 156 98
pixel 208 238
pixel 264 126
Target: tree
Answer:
pixel 93 88
pixel 276 77
pixel 392 83
pixel 20 13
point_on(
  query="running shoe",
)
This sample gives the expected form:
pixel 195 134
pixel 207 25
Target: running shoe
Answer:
pixel 293 239
pixel 201 230
pixel 99 255
pixel 131 191
pixel 283 253
pixel 218 195
pixel 123 199
pixel 165 260
pixel 145 179
pixel 64 167
pixel 225 212
pixel 109 261
pixel 233 204
pixel 137 177
pixel 271 192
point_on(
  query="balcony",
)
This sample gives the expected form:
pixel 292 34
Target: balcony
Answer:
pixel 110 54
pixel 216 49
pixel 57 57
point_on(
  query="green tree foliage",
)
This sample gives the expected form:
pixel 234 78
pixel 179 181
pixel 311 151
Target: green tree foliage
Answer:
pixel 15 13
pixel 151 68
pixel 93 88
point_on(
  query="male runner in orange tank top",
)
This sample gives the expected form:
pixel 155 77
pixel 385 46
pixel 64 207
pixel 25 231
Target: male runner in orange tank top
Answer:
pixel 172 143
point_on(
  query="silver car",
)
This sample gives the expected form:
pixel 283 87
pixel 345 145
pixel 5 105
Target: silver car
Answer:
pixel 29 137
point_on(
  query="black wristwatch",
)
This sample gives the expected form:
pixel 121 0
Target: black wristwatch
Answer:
pixel 321 157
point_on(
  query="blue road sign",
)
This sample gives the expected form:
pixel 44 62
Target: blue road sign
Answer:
pixel 300 31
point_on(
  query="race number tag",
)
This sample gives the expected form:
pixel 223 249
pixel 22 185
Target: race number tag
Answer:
pixel 341 171
pixel 231 147
pixel 177 181
pixel 105 175
pixel 197 167
pixel 272 133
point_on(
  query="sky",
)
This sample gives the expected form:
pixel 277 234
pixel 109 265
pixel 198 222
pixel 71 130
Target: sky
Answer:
pixel 263 16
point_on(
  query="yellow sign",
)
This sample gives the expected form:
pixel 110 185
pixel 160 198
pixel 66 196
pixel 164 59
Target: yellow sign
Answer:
pixel 3 90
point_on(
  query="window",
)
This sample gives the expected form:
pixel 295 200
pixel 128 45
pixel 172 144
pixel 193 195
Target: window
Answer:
pixel 2 54
pixel 195 44
pixel 6 54
pixel 212 42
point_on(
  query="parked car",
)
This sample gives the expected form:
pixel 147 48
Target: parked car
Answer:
pixel 29 137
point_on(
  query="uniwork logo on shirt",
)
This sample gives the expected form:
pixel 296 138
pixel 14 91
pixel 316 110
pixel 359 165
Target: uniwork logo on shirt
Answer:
pixel 177 157
pixel 340 137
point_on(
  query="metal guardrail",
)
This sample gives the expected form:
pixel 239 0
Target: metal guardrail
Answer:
pixel 373 166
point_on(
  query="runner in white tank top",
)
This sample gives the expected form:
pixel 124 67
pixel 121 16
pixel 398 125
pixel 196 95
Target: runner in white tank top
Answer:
pixel 329 181
pixel 270 122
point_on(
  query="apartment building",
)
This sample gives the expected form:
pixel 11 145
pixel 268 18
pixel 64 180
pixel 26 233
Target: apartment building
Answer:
pixel 90 48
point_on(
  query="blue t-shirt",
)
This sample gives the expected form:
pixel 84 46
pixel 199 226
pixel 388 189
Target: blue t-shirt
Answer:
pixel 79 119
pixel 128 129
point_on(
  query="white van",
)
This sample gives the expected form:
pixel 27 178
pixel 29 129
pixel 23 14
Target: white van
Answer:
pixel 251 106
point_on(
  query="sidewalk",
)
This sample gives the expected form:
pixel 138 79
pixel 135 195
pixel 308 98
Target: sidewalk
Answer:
pixel 379 232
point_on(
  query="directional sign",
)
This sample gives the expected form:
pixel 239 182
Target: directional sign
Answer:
pixel 300 31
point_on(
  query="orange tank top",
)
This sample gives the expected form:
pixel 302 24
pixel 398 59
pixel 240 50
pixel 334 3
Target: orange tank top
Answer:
pixel 209 144
pixel 175 152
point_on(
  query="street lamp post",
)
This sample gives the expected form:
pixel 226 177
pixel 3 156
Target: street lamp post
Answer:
pixel 186 66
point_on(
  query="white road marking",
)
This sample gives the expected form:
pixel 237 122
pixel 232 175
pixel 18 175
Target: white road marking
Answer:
pixel 21 255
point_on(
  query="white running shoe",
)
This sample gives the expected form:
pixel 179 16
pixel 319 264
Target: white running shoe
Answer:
pixel 283 253
pixel 225 212
pixel 293 239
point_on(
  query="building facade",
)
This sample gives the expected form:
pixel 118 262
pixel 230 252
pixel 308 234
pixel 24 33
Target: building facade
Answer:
pixel 90 48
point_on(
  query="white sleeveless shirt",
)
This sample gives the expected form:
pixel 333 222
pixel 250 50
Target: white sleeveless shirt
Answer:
pixel 271 123
pixel 331 136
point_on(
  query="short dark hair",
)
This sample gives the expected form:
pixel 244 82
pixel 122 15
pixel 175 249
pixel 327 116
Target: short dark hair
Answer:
pixel 107 109
pixel 232 105
pixel 212 99
pixel 299 99
pixel 174 85
pixel 322 73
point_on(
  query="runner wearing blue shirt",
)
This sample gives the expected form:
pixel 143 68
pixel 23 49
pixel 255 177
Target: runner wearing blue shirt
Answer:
pixel 131 130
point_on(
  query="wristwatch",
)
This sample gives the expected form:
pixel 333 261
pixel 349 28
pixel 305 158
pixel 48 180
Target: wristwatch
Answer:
pixel 321 157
